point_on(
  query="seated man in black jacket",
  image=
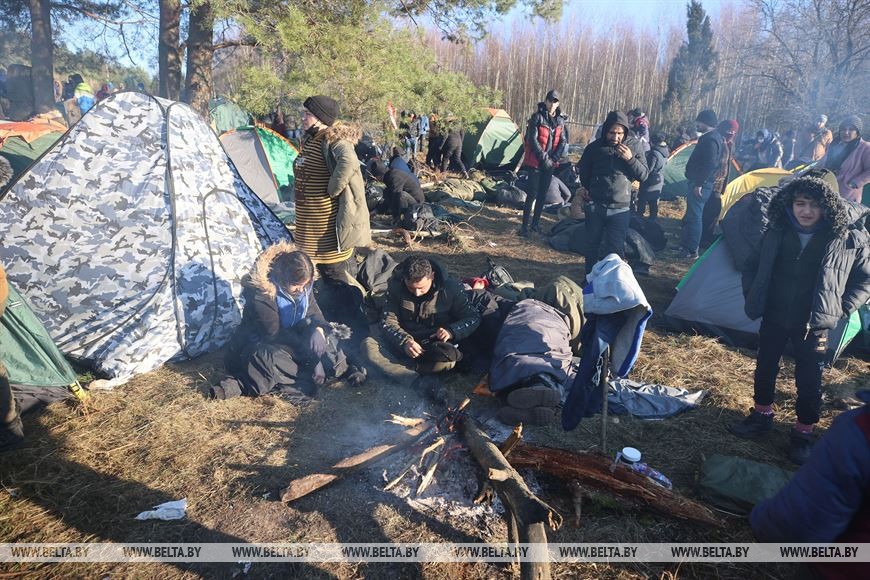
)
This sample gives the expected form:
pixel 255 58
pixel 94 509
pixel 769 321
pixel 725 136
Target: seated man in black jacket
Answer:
pixel 606 169
pixel 426 315
pixel 402 189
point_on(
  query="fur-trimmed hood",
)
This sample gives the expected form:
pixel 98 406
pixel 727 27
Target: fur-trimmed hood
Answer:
pixel 839 213
pixel 343 131
pixel 259 276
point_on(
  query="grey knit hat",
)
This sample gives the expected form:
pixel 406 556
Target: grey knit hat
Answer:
pixel 853 121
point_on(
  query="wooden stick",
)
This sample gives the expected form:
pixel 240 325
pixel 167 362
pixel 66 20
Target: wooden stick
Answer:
pixel 593 471
pixel 529 512
pixel 315 481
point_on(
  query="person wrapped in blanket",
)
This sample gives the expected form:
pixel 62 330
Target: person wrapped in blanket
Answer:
pixel 284 344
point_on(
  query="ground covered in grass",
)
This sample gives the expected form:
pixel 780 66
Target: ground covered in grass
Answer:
pixel 87 470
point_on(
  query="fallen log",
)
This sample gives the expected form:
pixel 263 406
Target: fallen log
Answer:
pixel 593 471
pixel 527 514
pixel 315 481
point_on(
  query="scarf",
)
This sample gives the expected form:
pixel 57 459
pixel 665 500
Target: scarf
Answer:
pixel 292 309
pixel 839 152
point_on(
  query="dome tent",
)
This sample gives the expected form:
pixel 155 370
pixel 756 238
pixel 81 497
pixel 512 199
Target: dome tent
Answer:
pixel 130 236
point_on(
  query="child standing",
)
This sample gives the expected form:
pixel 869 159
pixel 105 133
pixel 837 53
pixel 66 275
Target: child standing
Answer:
pixel 813 268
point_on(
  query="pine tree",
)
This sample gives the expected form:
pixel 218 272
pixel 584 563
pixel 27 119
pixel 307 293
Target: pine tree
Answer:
pixel 694 68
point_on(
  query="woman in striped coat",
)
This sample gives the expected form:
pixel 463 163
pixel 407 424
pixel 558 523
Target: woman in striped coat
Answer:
pixel 331 213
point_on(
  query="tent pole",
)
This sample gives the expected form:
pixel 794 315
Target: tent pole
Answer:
pixel 603 383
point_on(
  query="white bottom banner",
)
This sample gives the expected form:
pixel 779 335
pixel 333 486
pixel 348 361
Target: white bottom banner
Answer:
pixel 327 552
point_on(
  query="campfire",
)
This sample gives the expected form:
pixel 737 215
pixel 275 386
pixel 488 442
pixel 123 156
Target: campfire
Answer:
pixel 433 441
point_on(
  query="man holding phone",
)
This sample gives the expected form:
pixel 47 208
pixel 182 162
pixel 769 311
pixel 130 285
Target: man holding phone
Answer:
pixel 606 170
pixel 426 315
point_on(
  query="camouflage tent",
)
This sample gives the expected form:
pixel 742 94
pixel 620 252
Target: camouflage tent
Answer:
pixel 131 234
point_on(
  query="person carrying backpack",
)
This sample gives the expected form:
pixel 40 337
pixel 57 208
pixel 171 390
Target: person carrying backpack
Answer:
pixel 651 188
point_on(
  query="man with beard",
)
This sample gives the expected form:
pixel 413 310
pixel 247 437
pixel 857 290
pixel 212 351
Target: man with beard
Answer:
pixel 606 169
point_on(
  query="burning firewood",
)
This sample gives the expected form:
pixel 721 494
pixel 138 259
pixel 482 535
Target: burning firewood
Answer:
pixel 404 421
pixel 527 515
pixel 593 471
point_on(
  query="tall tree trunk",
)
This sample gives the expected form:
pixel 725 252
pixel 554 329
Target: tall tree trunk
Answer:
pixel 199 58
pixel 42 56
pixel 169 52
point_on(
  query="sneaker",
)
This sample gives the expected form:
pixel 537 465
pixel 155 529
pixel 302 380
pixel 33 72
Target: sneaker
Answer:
pixel 799 447
pixel 533 396
pixel 524 232
pixel 533 416
pixel 755 425
pixel 535 229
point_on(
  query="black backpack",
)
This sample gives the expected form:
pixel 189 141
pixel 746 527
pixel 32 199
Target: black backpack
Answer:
pixel 497 274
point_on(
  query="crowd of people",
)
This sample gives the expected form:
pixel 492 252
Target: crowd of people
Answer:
pixel 811 270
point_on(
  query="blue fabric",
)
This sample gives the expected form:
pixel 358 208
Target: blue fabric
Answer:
pixel 820 501
pixel 400 164
pixel 586 395
pixel 85 103
pixel 692 222
pixel 292 309
pixel 822 223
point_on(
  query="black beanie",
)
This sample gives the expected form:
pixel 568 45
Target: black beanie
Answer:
pixel 708 117
pixel 853 121
pixel 324 108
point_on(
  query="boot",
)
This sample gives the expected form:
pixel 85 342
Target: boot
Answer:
pixel 800 446
pixel 755 425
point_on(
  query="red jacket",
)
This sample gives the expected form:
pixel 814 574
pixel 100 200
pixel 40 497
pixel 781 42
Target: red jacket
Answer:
pixel 545 138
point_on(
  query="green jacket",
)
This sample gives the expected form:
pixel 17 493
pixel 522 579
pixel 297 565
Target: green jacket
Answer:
pixel 346 182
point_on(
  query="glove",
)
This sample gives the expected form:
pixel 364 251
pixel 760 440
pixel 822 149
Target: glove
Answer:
pixel 547 163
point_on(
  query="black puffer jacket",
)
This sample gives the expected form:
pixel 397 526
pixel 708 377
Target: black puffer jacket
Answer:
pixel 444 306
pixel 705 159
pixel 606 176
pixel 843 283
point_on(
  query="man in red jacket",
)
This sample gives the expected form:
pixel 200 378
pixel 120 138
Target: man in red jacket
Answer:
pixel 545 142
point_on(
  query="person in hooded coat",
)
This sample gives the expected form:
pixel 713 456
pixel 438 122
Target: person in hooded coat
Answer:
pixel 283 343
pixel 651 188
pixel 606 170
pixel 544 144
pixel 812 270
pixel 768 150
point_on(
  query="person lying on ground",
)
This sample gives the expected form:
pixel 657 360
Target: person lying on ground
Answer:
pixel 826 501
pixel 426 315
pixel 812 270
pixel 284 343
pixel 402 189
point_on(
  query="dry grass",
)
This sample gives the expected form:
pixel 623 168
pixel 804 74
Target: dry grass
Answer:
pixel 86 472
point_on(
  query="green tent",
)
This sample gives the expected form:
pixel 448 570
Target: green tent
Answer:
pixel 264 159
pixel 37 370
pixel 21 154
pixel 226 116
pixel 674 173
pixel 496 142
